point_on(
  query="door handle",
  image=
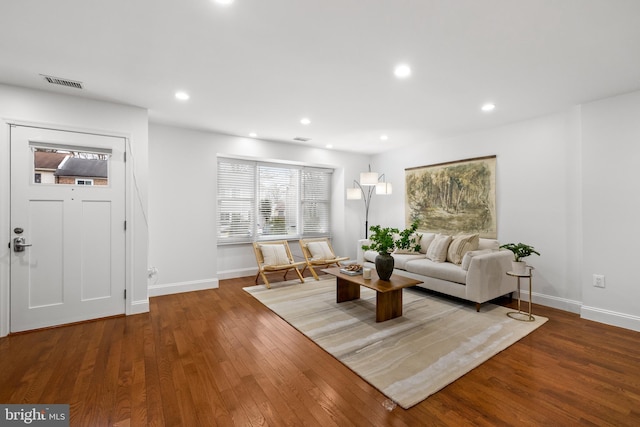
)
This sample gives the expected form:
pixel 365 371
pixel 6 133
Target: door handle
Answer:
pixel 19 245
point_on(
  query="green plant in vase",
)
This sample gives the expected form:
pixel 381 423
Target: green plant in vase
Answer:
pixel 385 241
pixel 520 250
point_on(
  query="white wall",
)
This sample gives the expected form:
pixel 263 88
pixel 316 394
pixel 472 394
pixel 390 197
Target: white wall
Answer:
pixel 611 206
pixel 536 190
pixel 73 113
pixel 182 200
pixel 565 184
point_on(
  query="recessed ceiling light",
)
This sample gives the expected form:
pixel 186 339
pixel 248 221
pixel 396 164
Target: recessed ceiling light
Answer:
pixel 488 107
pixel 329 146
pixel 384 137
pixel 224 2
pixel 305 121
pixel 253 134
pixel 182 96
pixel 402 71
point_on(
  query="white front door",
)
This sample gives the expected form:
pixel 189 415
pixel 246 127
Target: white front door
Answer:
pixel 68 214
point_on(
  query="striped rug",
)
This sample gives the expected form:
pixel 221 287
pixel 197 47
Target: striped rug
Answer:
pixel 435 342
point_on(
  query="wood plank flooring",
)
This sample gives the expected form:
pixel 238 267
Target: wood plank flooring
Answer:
pixel 220 358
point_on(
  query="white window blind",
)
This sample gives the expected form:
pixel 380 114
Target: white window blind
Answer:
pixel 236 200
pixel 262 201
pixel 316 197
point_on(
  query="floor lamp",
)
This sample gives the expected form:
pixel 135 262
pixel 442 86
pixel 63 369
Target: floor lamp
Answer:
pixel 369 182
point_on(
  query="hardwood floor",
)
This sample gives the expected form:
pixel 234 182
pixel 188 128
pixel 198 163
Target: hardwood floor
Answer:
pixel 220 358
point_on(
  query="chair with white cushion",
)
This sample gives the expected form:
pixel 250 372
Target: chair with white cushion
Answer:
pixel 319 253
pixel 275 256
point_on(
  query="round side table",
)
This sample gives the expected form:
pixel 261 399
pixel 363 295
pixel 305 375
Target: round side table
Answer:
pixel 521 315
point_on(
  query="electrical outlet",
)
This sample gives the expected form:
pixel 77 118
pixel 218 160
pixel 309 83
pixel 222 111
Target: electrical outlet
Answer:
pixel 598 280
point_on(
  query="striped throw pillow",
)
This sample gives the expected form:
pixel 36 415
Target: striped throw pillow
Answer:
pixel 437 251
pixel 460 245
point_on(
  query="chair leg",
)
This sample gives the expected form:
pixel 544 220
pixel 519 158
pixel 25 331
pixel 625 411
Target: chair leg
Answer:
pixel 264 279
pixel 312 272
pixel 300 275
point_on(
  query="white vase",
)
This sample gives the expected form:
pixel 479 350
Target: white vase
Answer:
pixel 519 267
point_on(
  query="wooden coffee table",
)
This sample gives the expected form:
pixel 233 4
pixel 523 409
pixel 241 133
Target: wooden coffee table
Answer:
pixel 388 293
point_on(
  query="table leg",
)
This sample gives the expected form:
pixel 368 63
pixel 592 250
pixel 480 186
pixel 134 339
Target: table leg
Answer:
pixel 520 315
pixel 388 305
pixel 346 291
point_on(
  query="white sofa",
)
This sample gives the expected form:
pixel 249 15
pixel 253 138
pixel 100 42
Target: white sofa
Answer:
pixel 483 279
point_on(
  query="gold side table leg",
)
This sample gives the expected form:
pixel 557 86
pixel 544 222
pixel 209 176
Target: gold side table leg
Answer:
pixel 520 315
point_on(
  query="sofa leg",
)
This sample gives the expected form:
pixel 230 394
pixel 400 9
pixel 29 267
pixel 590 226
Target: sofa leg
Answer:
pixel 478 307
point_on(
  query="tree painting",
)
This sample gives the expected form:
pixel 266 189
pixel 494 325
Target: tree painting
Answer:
pixel 452 198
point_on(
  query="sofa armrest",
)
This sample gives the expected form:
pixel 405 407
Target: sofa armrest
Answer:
pixel 360 251
pixel 487 276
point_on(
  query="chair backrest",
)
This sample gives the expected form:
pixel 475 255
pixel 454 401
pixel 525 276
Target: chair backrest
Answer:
pixel 304 245
pixel 260 256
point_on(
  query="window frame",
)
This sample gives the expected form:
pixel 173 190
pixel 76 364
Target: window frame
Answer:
pixel 228 233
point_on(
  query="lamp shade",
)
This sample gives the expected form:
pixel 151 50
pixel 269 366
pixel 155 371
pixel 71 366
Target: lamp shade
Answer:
pixel 368 178
pixel 383 188
pixel 354 194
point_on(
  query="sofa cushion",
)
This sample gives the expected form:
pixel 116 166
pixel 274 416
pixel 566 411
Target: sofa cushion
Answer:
pixel 437 251
pixel 466 260
pixel 488 244
pixel 400 260
pixel 460 245
pixel 425 241
pixel 437 270
pixel 370 256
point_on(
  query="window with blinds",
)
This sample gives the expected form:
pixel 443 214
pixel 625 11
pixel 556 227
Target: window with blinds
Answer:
pixel 262 201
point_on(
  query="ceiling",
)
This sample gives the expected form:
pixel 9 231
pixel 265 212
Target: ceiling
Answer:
pixel 262 65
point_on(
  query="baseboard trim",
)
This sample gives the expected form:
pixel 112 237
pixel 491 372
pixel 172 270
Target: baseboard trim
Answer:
pixel 176 288
pixel 564 304
pixel 613 318
pixel 242 272
pixel 138 307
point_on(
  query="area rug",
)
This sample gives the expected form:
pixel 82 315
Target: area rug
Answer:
pixel 436 340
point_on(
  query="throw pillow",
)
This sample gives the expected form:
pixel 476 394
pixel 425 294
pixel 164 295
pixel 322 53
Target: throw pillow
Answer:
pixel 274 254
pixel 425 242
pixel 414 245
pixel 466 259
pixel 437 251
pixel 320 250
pixel 460 245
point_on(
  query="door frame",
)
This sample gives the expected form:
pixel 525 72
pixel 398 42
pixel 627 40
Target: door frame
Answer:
pixel 5 209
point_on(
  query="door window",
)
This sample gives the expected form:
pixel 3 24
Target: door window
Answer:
pixel 56 164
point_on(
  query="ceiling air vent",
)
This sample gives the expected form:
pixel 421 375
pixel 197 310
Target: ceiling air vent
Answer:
pixel 301 139
pixel 62 82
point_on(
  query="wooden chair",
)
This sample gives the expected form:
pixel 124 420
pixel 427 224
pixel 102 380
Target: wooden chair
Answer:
pixel 319 253
pixel 275 256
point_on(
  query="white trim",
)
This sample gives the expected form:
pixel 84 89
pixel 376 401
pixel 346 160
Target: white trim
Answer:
pixel 176 288
pixel 613 318
pixel 138 307
pixel 241 272
pixel 564 304
pixel 5 236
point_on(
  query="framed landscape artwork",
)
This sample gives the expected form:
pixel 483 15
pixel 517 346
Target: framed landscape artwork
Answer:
pixel 452 198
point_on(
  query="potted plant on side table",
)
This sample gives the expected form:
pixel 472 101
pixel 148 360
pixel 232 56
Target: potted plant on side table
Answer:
pixel 520 250
pixel 385 241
